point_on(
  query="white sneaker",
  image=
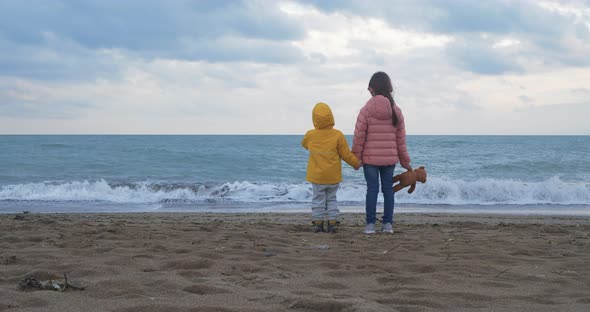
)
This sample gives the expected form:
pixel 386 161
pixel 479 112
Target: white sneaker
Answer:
pixel 387 228
pixel 369 228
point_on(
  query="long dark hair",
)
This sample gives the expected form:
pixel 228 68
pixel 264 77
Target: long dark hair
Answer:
pixel 381 85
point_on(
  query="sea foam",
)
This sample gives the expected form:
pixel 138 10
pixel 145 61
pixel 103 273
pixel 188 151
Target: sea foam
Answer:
pixel 435 191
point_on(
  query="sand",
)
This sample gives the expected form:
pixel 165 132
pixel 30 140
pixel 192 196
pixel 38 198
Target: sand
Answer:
pixel 272 262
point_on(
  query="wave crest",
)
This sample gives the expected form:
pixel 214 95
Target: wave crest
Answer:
pixel 435 191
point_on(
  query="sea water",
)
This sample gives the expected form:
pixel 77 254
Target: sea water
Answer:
pixel 266 173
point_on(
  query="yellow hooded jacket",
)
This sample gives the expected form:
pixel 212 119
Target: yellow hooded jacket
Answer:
pixel 327 146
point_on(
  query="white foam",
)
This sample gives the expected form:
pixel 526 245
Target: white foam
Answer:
pixel 90 191
pixel 498 192
pixel 435 191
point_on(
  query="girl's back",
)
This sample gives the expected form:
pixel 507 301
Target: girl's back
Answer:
pixel 377 141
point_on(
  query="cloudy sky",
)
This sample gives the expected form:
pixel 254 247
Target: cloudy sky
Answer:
pixel 258 67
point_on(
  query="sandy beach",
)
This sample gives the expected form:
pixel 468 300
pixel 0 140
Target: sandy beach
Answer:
pixel 272 262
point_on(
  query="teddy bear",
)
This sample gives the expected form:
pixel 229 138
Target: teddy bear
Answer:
pixel 409 178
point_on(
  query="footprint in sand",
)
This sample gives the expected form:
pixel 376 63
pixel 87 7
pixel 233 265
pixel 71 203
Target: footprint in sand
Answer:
pixel 10 260
pixel 423 269
pixel 181 251
pixel 199 289
pixel 7 306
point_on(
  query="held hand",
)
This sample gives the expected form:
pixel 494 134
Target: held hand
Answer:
pixel 409 168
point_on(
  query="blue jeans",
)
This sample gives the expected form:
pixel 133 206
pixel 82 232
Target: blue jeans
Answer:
pixel 372 174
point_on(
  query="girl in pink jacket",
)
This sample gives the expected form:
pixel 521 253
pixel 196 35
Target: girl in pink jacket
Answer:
pixel 380 143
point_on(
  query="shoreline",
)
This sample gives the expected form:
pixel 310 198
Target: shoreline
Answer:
pixel 35 207
pixel 350 217
pixel 195 262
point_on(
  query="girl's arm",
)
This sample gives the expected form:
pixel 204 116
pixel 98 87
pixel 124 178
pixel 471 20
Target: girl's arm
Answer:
pixel 360 134
pixel 402 149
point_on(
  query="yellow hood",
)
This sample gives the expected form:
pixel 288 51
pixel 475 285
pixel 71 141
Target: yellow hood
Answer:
pixel 322 116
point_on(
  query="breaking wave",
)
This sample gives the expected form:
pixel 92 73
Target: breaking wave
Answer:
pixel 435 191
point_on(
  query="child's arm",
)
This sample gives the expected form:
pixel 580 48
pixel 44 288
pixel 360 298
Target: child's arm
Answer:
pixel 305 141
pixel 345 153
pixel 360 134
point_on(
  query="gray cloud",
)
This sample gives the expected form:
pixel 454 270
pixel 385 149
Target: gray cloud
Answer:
pixel 142 25
pixel 481 58
pixel 62 39
pixel 455 16
pixel 581 91
pixel 56 59
pixel 240 49
pixel 547 34
pixel 41 108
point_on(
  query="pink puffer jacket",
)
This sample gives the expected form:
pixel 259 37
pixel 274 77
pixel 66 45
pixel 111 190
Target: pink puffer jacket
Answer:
pixel 376 141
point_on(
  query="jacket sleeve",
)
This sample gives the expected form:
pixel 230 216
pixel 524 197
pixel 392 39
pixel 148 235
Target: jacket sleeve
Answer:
pixel 402 149
pixel 305 141
pixel 345 153
pixel 360 134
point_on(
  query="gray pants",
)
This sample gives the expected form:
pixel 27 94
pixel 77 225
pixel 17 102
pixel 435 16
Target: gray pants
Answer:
pixel 324 200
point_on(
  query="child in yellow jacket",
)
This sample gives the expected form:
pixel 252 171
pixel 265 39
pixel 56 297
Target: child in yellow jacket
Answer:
pixel 327 147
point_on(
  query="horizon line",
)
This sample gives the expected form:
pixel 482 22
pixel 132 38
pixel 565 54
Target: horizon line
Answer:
pixel 257 134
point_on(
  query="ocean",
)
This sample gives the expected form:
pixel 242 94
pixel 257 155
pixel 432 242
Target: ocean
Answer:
pixel 548 175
